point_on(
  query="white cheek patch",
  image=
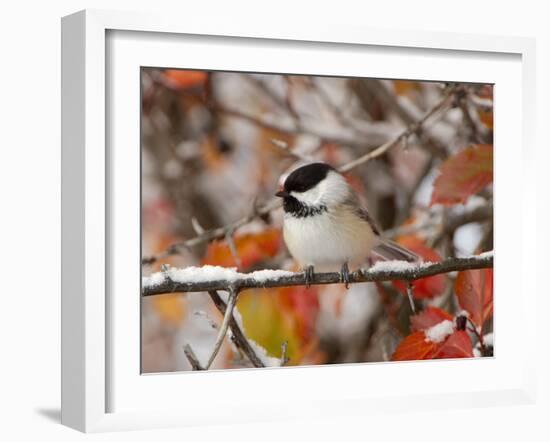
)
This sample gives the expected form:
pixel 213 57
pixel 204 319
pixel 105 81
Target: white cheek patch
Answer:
pixel 310 197
pixel 332 190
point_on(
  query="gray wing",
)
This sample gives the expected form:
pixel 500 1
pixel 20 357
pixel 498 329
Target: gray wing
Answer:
pixel 387 249
pixel 353 204
pixel 365 215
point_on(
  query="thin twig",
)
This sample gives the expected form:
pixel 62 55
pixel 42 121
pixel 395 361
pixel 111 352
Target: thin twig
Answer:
pixel 447 224
pixel 410 295
pixel 407 114
pixel 238 337
pixel 242 281
pixel 192 358
pixel 232 247
pixel 231 301
pixel 284 357
pixel 479 335
pixel 283 147
pixel 453 221
pixel 411 129
pixel 271 95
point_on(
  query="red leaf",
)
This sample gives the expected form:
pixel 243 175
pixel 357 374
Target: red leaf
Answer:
pixel 464 174
pixel 474 290
pixel 415 347
pixel 457 345
pixel 303 304
pixel 426 287
pixel 428 318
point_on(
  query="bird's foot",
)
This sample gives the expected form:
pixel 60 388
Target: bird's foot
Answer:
pixel 344 274
pixel 308 274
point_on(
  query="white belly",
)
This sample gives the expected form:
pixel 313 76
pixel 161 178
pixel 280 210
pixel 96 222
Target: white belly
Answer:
pixel 327 241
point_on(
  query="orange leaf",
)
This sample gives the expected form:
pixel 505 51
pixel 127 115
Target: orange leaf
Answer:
pixel 415 347
pixel 428 318
pixel 463 175
pixel 252 248
pixel 184 79
pixel 426 287
pixel 457 345
pixel 474 290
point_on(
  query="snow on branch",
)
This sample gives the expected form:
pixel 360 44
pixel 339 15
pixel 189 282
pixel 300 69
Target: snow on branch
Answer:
pixel 211 278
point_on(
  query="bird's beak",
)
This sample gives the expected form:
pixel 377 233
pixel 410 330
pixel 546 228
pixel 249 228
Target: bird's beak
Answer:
pixel 282 194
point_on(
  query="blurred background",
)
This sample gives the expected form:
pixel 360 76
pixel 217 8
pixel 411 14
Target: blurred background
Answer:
pixel 214 148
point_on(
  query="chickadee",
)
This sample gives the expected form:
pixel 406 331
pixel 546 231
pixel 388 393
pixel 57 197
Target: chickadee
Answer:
pixel 326 228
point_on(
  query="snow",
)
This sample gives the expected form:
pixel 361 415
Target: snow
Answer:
pixel 488 339
pixel 439 332
pixel 261 352
pixel 189 275
pixel 192 275
pixel 264 275
pixel 396 266
pixel 489 254
pixel 153 280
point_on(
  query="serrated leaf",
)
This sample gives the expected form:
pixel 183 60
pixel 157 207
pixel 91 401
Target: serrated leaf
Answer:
pixel 415 347
pixel 464 174
pixel 474 290
pixel 428 318
pixel 457 345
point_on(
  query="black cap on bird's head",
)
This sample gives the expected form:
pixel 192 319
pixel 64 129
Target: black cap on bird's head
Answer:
pixel 305 178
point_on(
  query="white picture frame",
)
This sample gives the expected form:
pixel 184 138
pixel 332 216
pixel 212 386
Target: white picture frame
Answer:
pixel 91 314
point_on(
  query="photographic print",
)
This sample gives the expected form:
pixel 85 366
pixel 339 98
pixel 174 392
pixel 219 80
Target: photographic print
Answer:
pixel 298 220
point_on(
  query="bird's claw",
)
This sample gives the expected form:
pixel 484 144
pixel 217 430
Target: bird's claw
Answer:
pixel 344 274
pixel 308 274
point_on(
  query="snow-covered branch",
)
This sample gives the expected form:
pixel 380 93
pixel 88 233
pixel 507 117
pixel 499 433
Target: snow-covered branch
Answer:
pixel 210 278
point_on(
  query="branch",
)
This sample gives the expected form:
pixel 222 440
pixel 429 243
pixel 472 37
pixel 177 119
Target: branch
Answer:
pixel 262 212
pixel 231 301
pixel 284 358
pixel 192 358
pixel 445 225
pixel 238 336
pixel 343 135
pixel 453 221
pixel 413 128
pixel 205 279
pixel 408 114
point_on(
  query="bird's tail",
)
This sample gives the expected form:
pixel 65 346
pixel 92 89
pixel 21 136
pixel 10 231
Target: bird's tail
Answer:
pixel 390 251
